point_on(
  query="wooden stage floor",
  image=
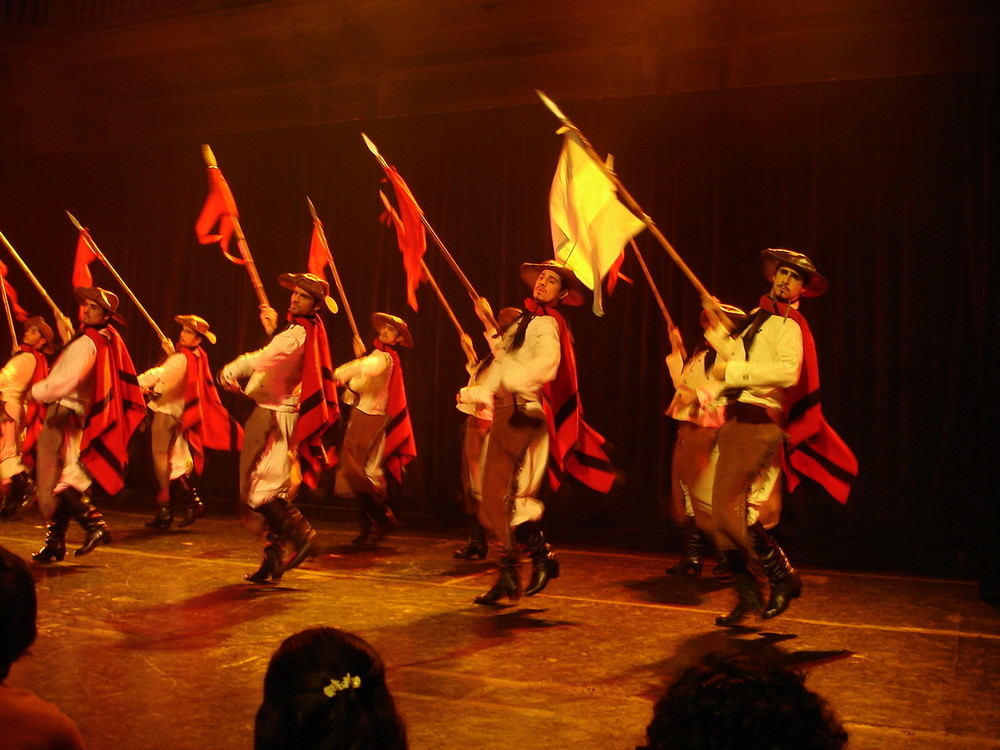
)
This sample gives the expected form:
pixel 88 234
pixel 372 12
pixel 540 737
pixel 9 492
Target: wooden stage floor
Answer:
pixel 155 641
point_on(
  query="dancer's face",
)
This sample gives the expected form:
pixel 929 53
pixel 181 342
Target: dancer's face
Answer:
pixel 548 288
pixel 787 285
pixel 189 337
pixel 388 334
pixel 93 314
pixel 34 338
pixel 302 302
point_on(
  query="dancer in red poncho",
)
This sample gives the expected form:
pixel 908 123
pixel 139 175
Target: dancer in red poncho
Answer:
pixel 188 417
pixel 768 363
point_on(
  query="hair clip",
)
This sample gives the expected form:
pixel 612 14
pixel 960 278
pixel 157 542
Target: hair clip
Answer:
pixel 346 683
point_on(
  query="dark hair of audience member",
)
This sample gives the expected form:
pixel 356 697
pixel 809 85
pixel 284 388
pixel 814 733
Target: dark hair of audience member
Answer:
pixel 18 610
pixel 738 700
pixel 325 690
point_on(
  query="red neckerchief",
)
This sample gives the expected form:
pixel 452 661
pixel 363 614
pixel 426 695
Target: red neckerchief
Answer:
pixel 116 409
pixel 400 447
pixel 205 423
pixel 319 408
pixel 34 412
pixel 814 450
pixel 575 448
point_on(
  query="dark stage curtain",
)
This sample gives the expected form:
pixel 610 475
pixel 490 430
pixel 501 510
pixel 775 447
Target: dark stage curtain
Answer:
pixel 881 182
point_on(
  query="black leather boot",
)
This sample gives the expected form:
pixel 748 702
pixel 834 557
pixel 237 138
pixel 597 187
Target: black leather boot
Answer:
pixel 366 526
pixel 88 516
pixel 508 584
pixel 185 494
pixel 692 559
pixel 164 517
pixel 299 534
pixel 785 582
pixel 270 562
pixel 55 538
pixel 544 564
pixel 20 492
pixel 748 597
pixel 476 547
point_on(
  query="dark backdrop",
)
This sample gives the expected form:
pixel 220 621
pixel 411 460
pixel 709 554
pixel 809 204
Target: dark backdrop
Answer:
pixel 884 183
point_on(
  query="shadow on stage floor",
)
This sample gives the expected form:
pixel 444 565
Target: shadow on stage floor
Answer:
pixel 155 642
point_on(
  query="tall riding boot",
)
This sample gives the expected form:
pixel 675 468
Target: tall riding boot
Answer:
pixel 748 597
pixel 785 582
pixel 300 535
pixel 691 560
pixel 476 547
pixel 366 526
pixel 19 493
pixel 89 517
pixel 508 584
pixel 384 518
pixel 55 537
pixel 164 517
pixel 270 562
pixel 544 564
pixel 184 493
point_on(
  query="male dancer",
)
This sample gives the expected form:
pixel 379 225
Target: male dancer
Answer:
pixel 21 423
pixel 536 420
pixel 188 417
pixel 379 435
pixel 769 362
pixel 94 405
pixel 296 405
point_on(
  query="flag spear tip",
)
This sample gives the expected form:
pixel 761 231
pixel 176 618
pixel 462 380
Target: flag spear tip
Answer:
pixel 312 208
pixel 370 144
pixel 72 218
pixel 552 106
pixel 206 151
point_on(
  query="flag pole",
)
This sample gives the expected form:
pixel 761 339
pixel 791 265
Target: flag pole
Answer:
pixel 10 318
pixel 656 293
pixel 479 300
pixel 167 343
pixel 63 324
pixel 358 344
pixel 463 338
pixel 241 240
pixel 634 206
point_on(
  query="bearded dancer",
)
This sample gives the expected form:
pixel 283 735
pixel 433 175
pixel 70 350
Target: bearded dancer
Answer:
pixel 20 423
pixel 537 423
pixel 93 406
pixel 188 417
pixel 296 405
pixel 770 363
pixel 379 434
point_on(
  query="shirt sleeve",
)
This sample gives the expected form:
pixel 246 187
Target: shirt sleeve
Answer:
pixel 166 376
pixel 73 365
pixel 779 369
pixel 281 348
pixel 368 366
pixel 537 361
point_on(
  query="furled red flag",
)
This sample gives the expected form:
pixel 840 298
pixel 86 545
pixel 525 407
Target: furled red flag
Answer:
pixel 215 223
pixel 589 224
pixel 81 263
pixel 410 232
pixel 317 253
pixel 15 308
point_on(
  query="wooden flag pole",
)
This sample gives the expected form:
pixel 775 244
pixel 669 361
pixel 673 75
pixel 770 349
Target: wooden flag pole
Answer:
pixel 63 324
pixel 656 294
pixel 15 346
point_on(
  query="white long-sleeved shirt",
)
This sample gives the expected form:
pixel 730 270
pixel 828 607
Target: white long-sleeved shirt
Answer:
pixel 527 369
pixel 774 364
pixel 71 379
pixel 275 371
pixel 167 382
pixel 696 393
pixel 15 377
pixel 367 381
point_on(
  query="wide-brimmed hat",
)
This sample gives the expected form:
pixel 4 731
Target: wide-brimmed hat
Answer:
pixel 197 324
pixel 312 285
pixel 380 318
pixel 815 284
pixel 107 301
pixel 36 321
pixel 575 295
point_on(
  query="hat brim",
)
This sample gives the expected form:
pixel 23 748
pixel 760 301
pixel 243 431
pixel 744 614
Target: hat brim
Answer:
pixel 379 319
pixel 816 284
pixel 311 287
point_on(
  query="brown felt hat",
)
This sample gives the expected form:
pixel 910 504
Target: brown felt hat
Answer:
pixel 312 285
pixel 198 325
pixel 36 321
pixel 575 295
pixel 815 284
pixel 380 318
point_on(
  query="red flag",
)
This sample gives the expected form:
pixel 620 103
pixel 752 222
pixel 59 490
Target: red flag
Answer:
pixel 215 224
pixel 410 232
pixel 18 311
pixel 81 264
pixel 317 253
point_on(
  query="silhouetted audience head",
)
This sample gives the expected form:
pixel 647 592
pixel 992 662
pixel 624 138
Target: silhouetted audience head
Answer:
pixel 18 610
pixel 325 689
pixel 739 700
